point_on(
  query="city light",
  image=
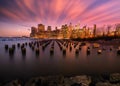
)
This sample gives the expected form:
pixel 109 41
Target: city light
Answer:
pixel 72 32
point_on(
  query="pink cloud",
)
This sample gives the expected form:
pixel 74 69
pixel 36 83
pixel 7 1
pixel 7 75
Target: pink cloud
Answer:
pixel 57 12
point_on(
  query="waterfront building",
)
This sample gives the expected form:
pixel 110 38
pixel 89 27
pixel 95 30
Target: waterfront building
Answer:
pixel 49 28
pixel 70 31
pixel 118 29
pixel 33 32
pixel 94 30
pixel 41 27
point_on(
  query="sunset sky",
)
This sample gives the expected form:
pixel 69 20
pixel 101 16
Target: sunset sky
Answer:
pixel 17 16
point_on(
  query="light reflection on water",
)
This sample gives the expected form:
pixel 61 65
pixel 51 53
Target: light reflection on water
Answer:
pixel 31 65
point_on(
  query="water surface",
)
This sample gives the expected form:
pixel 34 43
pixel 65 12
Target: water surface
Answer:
pixel 23 67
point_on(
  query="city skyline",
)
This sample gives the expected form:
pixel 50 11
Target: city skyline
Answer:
pixel 18 16
pixel 74 31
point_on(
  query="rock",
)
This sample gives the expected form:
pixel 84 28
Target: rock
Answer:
pixel 83 79
pixel 76 84
pixel 67 82
pixel 103 84
pixel 14 83
pixel 106 84
pixel 115 78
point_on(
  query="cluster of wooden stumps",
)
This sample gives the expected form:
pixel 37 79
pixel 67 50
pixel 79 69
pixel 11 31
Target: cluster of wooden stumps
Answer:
pixel 64 45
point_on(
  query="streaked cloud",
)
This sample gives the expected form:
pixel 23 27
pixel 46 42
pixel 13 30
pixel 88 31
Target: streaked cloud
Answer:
pixel 57 12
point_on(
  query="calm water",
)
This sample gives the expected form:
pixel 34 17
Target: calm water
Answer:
pixel 23 67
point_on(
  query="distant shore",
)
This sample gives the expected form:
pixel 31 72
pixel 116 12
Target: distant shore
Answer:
pixel 108 41
pixel 113 40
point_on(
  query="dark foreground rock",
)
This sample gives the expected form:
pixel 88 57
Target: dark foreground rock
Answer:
pixel 82 80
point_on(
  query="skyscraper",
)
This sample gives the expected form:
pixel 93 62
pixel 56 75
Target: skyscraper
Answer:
pixel 49 28
pixel 41 27
pixel 94 31
pixel 33 31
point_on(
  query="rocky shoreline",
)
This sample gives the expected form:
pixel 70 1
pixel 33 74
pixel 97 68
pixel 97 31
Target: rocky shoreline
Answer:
pixel 82 80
